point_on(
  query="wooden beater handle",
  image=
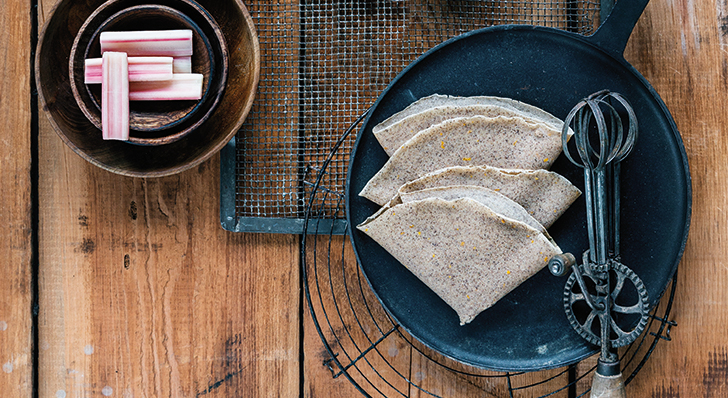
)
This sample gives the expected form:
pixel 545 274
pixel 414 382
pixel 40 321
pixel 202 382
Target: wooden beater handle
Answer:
pixel 608 386
pixel 607 382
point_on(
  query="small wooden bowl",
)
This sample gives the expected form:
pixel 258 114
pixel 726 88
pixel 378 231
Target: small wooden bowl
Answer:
pixel 84 138
pixel 153 122
pixel 144 116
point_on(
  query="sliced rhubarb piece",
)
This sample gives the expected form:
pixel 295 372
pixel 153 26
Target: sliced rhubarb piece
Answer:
pixel 141 69
pixel 182 65
pixel 171 43
pixel 183 86
pixel 115 96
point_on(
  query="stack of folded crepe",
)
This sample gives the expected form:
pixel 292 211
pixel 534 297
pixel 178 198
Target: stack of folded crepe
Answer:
pixel 466 198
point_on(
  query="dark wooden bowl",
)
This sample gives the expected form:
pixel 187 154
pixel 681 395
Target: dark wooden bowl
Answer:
pixel 83 137
pixel 153 122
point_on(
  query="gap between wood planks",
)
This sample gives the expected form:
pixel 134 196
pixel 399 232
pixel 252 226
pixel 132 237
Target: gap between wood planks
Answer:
pixel 34 198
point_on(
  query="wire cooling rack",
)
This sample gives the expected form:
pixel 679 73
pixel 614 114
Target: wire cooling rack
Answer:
pixel 368 347
pixel 323 63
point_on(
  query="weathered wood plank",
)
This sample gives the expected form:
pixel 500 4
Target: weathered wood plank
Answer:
pixel 16 287
pixel 143 294
pixel 680 47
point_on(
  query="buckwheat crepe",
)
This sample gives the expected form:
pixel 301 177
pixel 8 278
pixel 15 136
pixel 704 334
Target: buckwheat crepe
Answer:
pixel 428 111
pixel 437 100
pixel 393 136
pixel 544 194
pixel 506 142
pixel 466 253
pixel 500 204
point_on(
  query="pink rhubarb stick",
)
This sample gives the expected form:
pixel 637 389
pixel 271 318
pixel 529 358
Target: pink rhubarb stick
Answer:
pixel 140 69
pixel 182 65
pixel 115 96
pixel 183 86
pixel 171 43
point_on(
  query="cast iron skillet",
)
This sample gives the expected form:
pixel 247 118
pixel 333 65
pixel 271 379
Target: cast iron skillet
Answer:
pixel 552 69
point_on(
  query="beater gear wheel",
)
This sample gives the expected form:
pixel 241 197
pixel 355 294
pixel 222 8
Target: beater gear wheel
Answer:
pixel 629 314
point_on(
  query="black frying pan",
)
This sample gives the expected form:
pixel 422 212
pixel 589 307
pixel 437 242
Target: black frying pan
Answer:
pixel 552 69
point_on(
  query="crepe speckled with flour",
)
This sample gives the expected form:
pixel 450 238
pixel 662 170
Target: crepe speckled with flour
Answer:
pixel 462 250
pixel 544 194
pixel 428 111
pixel 506 142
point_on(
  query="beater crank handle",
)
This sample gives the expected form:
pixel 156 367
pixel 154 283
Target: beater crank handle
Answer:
pixel 607 381
pixel 561 264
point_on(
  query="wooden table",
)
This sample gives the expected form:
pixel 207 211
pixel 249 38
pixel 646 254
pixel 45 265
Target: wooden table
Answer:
pixel 123 287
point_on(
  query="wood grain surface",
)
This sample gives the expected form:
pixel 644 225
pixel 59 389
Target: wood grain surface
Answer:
pixel 680 47
pixel 16 287
pixel 142 294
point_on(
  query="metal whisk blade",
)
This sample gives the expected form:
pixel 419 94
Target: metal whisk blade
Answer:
pixel 601 144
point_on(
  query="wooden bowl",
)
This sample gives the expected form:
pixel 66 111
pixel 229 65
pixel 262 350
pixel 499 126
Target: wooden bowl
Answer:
pixel 153 122
pixel 84 138
pixel 144 116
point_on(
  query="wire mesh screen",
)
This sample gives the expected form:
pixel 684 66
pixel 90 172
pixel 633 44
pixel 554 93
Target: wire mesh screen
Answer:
pixel 323 63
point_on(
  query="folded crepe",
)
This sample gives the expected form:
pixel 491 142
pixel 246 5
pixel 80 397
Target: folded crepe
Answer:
pixel 544 194
pixel 500 204
pixel 506 142
pixel 395 131
pixel 466 253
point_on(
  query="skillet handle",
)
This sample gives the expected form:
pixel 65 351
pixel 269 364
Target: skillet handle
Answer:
pixel 613 34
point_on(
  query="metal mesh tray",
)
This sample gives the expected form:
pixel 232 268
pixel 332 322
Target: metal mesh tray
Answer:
pixel 323 64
